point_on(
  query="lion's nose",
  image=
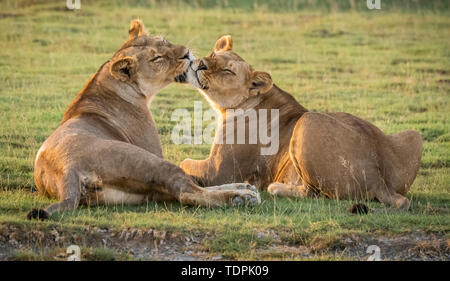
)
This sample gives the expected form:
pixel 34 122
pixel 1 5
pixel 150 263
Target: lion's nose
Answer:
pixel 186 56
pixel 201 66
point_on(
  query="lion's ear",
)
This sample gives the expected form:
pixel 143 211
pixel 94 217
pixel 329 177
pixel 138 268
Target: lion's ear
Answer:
pixel 260 83
pixel 225 43
pixel 123 69
pixel 136 29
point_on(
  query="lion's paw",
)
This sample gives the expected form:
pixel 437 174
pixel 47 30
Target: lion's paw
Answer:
pixel 233 186
pixel 247 186
pixel 239 193
pixel 246 197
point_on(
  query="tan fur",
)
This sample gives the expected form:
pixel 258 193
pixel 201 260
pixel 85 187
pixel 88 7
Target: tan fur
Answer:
pixel 336 154
pixel 107 149
pixel 136 29
pixel 225 43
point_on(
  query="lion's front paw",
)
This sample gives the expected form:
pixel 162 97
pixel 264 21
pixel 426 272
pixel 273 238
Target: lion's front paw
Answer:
pixel 233 186
pixel 38 214
pixel 241 193
pixel 247 187
pixel 246 197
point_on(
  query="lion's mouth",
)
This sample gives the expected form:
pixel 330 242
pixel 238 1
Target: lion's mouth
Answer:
pixel 182 78
pixel 202 86
pixel 188 77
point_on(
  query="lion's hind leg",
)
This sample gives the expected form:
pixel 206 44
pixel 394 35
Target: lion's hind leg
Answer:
pixel 130 175
pixel 392 198
pixel 69 189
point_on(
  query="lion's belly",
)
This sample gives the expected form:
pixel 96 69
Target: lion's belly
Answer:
pixel 109 195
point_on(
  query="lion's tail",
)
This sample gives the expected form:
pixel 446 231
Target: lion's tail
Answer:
pixel 359 208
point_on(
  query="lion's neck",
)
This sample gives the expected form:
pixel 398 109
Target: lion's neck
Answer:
pixel 130 93
pixel 279 99
pixel 103 96
pixel 276 98
pixel 289 111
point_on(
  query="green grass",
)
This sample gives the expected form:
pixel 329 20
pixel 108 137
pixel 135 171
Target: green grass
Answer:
pixel 390 67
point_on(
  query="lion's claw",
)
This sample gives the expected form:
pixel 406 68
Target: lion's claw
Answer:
pixel 237 201
pixel 246 197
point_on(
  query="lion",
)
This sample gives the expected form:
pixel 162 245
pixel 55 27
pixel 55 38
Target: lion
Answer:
pixel 106 149
pixel 336 155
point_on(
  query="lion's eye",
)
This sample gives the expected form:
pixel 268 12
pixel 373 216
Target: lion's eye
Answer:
pixel 157 58
pixel 228 71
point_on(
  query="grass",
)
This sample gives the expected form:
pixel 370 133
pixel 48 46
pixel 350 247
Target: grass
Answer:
pixel 390 67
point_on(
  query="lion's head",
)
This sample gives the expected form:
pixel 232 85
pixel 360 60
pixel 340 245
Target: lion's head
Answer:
pixel 225 78
pixel 148 63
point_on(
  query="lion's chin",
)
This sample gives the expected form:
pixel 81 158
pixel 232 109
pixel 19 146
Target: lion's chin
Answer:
pixel 182 78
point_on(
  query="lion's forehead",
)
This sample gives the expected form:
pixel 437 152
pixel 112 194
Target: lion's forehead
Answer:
pixel 242 68
pixel 164 47
pixel 230 56
pixel 230 60
pixel 150 45
pixel 161 40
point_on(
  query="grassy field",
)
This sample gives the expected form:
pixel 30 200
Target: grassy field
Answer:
pixel 389 66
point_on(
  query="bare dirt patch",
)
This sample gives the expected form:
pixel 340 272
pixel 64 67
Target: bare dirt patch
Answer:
pixel 143 244
pixel 151 244
pixel 413 246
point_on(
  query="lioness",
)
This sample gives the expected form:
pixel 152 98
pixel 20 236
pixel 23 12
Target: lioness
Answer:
pixel 107 148
pixel 334 154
